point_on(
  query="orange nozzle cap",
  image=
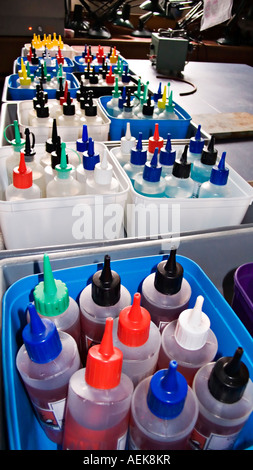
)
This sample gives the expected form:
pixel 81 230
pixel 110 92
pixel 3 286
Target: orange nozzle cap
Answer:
pixel 104 361
pixel 134 324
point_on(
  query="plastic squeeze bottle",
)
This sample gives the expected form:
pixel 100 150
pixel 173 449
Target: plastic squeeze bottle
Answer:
pixel 164 411
pixel 102 181
pixel 166 293
pixel 104 297
pixel 63 184
pixel 217 185
pixel 127 143
pixel 37 169
pixel 139 340
pixel 179 183
pixel 112 104
pixel 150 182
pixel 42 118
pixel 68 117
pixel 52 300
pixel 90 159
pixel 167 157
pixel 99 399
pixel 22 187
pixel 49 171
pixel 46 361
pixel 201 169
pixel 189 340
pixel 196 146
pixel 225 395
pixel 17 144
pixel 138 158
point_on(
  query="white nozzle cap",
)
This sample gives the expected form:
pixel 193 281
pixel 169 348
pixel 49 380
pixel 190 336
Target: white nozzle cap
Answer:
pixel 127 141
pixel 192 327
pixel 103 171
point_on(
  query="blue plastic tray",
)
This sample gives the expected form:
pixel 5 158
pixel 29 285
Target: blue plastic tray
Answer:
pixel 177 128
pixel 67 67
pixel 80 66
pixel 24 432
pixel 17 94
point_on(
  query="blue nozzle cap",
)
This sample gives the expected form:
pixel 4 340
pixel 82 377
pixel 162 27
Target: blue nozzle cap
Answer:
pixel 152 170
pixel 138 156
pixel 219 173
pixel 82 144
pixel 122 98
pixel 158 95
pixel 197 143
pixel 167 392
pixel 167 155
pixel 90 158
pixel 41 338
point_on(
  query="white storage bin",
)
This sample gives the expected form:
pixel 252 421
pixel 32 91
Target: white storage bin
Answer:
pixel 98 132
pixel 67 51
pixel 62 221
pixel 150 216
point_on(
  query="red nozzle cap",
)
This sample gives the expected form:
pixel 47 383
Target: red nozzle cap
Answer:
pixel 63 98
pixel 155 140
pixel 110 77
pixel 22 175
pixel 104 362
pixel 134 324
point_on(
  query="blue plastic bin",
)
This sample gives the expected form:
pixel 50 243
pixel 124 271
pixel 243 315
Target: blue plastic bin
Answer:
pixel 67 67
pixel 24 432
pixel 17 94
pixel 177 128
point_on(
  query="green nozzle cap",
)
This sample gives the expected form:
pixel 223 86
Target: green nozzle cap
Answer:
pixel 18 143
pixel 63 168
pixel 51 296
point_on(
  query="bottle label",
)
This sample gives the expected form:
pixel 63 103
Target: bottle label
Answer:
pixel 53 415
pixel 212 442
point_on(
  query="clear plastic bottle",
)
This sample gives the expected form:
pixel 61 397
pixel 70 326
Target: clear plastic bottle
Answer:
pixel 167 157
pixel 90 159
pixel 225 395
pixel 189 340
pixel 147 110
pixel 50 146
pixel 99 399
pixel 217 186
pixel 179 183
pixel 127 143
pixel 91 114
pixel 155 141
pixel 139 340
pixel 68 118
pixel 138 158
pixel 196 146
pixel 63 184
pixel 169 111
pixel 150 182
pixel 113 104
pixel 46 361
pixel 17 144
pixel 52 300
pixel 166 292
pixel 42 118
pixel 49 171
pixel 37 169
pixel 201 169
pixel 22 187
pixel 102 181
pixel 164 411
pixel 104 297
pixel 127 112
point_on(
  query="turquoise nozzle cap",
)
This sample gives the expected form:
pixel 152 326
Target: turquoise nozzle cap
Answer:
pixel 63 169
pixel 167 392
pixel 41 338
pixel 170 106
pixel 18 143
pixel 51 296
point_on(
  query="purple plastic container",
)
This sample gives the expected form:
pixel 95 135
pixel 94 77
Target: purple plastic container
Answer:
pixel 242 302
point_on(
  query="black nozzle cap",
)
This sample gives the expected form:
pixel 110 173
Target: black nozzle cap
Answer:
pixel 68 107
pixel 209 153
pixel 51 143
pixel 181 169
pixel 229 378
pixel 90 108
pixel 169 275
pixel 60 91
pixel 106 285
pixel 148 108
pixel 29 151
pixel 42 111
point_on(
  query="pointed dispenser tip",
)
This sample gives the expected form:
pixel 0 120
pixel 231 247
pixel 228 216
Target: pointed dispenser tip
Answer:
pixel 192 327
pixel 104 361
pixel 134 324
pixel 169 275
pixel 106 285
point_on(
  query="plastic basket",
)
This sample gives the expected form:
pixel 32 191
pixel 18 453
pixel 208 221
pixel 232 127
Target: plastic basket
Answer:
pixel 242 302
pixel 23 429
